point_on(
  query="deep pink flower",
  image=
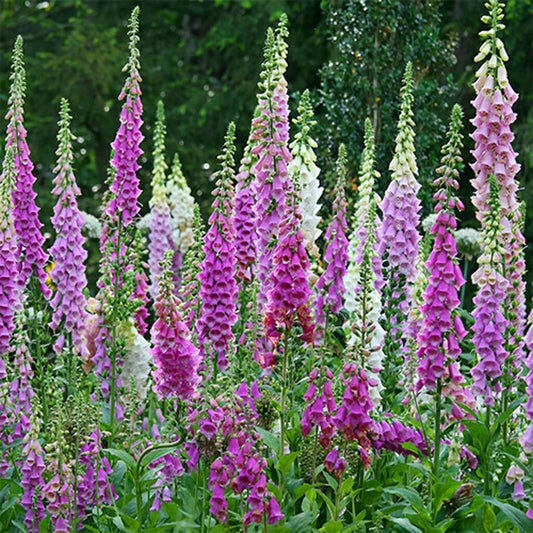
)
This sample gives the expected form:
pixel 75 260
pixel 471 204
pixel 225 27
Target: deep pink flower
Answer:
pixel 437 339
pixel 175 356
pixel 25 212
pixel 218 288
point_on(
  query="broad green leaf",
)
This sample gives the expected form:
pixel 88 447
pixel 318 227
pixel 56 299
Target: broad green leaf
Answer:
pixel 332 527
pixel 285 462
pixel 121 454
pixel 404 525
pixel 269 439
pixel 489 519
pixel 516 516
pixel 156 454
pixel 408 494
pixel 301 523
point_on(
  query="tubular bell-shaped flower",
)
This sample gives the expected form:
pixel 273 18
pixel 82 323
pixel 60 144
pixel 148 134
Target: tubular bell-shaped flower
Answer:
pixel 305 171
pixel 218 288
pixel 400 205
pixel 290 293
pixel 399 235
pixel 175 357
pixel 119 279
pixel 192 266
pixel 25 212
pixel 181 203
pixel 67 252
pixel 490 322
pixel 494 155
pixel 9 289
pixel 160 229
pixel 270 132
pixel 330 286
pixel 442 328
pixel 245 220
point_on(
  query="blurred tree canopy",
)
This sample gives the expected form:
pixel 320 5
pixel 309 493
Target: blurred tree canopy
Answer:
pixel 203 58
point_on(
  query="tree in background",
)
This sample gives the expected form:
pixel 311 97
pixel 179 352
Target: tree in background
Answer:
pixel 371 43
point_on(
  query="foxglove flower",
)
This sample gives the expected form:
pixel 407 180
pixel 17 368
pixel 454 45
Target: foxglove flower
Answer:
pixel 526 440
pixel 353 418
pixel 330 286
pixel 192 266
pixel 67 252
pixel 270 132
pixel 160 229
pixel 9 289
pixel 400 205
pixel 182 204
pixel 25 212
pixel 490 322
pixel 119 282
pixel 289 295
pixel 175 357
pixel 362 298
pixel 218 288
pixel 32 478
pixel 305 172
pixel 366 196
pixel 494 155
pixel 245 217
pixel 442 329
pixel 399 235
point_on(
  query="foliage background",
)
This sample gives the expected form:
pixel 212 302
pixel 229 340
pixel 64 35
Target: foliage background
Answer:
pixel 203 59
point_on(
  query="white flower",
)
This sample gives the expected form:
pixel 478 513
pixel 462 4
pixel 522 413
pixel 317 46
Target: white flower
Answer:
pixel 136 362
pixel 92 225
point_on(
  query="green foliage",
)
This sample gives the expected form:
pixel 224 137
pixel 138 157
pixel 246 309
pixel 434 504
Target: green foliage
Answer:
pixel 371 43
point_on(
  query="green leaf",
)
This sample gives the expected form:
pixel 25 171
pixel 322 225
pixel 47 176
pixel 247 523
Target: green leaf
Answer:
pixel 156 454
pixel 285 462
pixel 489 519
pixel 332 527
pixel 405 525
pixel 408 494
pixel 516 516
pixel 479 432
pixel 301 523
pixel 269 439
pixel 347 485
pixel 121 454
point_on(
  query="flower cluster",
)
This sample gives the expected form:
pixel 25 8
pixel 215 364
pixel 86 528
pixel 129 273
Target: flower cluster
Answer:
pixel 270 136
pixel 442 329
pixel 330 286
pixel 67 252
pixel 9 290
pixel 304 172
pixel 245 217
pixel 25 213
pixel 494 155
pixel 400 205
pixel 218 288
pixel 175 357
pixel 160 229
pixel 490 322
pixel 238 466
pixel 289 294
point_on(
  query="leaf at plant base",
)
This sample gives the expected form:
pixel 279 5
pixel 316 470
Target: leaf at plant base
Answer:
pixel 404 525
pixel 285 462
pixel 301 523
pixel 121 454
pixel 408 494
pixel 156 454
pixel 332 527
pixel 269 439
pixel 516 516
pixel 489 519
